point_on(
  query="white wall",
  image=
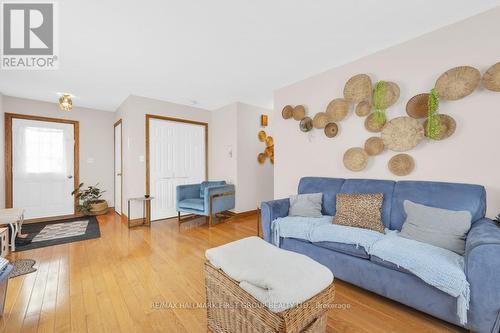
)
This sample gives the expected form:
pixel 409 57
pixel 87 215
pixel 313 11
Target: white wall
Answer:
pixel 133 114
pixel 223 144
pixel 255 181
pixel 96 140
pixel 471 155
pixel 237 125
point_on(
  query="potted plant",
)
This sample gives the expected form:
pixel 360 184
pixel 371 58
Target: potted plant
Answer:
pixel 89 200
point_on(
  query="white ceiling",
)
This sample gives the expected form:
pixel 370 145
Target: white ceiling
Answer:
pixel 219 51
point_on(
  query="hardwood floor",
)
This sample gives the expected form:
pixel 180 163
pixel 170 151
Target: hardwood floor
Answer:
pixel 130 280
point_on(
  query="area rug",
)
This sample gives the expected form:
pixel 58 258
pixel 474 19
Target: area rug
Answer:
pixel 60 232
pixel 21 267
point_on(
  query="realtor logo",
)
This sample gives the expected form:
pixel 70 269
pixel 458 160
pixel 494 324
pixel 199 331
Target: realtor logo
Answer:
pixel 29 36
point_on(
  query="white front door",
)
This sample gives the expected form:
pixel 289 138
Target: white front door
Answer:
pixel 118 168
pixel 177 157
pixel 42 167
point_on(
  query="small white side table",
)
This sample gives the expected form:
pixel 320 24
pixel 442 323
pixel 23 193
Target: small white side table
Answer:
pixel 146 206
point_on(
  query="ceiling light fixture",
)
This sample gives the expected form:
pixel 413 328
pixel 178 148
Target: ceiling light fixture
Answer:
pixel 65 102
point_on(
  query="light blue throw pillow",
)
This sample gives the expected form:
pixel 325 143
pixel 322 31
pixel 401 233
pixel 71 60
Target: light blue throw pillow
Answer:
pixel 306 205
pixel 436 226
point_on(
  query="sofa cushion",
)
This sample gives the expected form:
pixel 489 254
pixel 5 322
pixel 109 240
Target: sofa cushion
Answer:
pixel 451 196
pixel 385 187
pixel 306 205
pixel 196 204
pixel 360 210
pixel 439 227
pixel 388 264
pixel 351 249
pixel 328 186
pixel 206 184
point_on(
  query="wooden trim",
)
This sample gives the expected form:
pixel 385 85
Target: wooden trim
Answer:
pixel 8 154
pixel 152 116
pixel 119 122
pixel 247 213
pixel 52 218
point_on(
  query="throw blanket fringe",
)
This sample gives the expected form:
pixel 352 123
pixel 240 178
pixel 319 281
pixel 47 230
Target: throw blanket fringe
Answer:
pixel 440 268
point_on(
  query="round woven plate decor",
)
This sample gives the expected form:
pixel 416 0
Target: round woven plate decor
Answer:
pixel 417 106
pixel 261 158
pixel 306 124
pixel 371 125
pixel 355 159
pixel 358 88
pixel 363 108
pixel 392 94
pixel 320 120
pixel 491 79
pixel 448 125
pixel 401 164
pixel 262 136
pixel 374 146
pixel 299 112
pixel 331 130
pixel 287 112
pixel 337 109
pixel 458 82
pixel 402 133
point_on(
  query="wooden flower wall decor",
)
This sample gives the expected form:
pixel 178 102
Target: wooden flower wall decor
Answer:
pixel 399 134
pixel 268 150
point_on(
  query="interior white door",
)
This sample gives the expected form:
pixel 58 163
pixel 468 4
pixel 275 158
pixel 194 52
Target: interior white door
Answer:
pixel 118 168
pixel 42 167
pixel 177 157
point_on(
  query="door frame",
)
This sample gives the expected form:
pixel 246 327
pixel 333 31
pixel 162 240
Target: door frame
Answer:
pixel 119 122
pixel 179 120
pixel 8 158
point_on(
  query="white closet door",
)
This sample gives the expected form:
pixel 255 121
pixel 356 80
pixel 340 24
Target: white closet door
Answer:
pixel 177 156
pixel 118 168
pixel 42 167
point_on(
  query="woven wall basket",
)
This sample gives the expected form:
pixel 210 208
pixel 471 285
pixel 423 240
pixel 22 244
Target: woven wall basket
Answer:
pixel 392 94
pixel 448 125
pixel 363 108
pixel 287 112
pixel 374 146
pixel 355 159
pixel 306 124
pixel 331 130
pixel 358 88
pixel 402 133
pixel 269 141
pixel 491 79
pixel 337 109
pixel 458 82
pixel 417 106
pixel 299 112
pixel 371 125
pixel 401 164
pixel 320 120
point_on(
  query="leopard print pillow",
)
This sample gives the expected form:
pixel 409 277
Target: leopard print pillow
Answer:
pixel 360 210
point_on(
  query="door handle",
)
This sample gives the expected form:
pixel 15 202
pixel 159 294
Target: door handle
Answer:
pixel 119 174
pixel 70 176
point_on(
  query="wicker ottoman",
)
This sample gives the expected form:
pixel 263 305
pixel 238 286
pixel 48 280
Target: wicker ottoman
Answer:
pixel 230 309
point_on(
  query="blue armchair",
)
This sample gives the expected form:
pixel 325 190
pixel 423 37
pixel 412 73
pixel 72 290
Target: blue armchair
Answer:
pixel 207 199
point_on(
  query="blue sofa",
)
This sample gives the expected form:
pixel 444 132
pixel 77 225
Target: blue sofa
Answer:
pixel 354 265
pixel 205 199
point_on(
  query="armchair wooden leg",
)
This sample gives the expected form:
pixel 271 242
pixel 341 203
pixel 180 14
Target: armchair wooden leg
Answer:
pixel 179 219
